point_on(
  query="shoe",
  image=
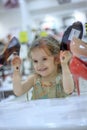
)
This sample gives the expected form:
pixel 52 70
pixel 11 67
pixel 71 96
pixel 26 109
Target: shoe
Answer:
pixel 75 30
pixel 14 46
pixel 78 64
pixel 79 48
pixel 78 69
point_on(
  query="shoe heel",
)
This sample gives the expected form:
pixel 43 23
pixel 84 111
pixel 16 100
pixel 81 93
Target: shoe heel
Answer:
pixel 76 79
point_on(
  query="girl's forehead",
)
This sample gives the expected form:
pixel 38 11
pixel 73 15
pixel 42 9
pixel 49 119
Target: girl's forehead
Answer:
pixel 40 51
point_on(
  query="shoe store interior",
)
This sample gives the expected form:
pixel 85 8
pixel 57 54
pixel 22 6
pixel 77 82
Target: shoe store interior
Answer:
pixel 22 22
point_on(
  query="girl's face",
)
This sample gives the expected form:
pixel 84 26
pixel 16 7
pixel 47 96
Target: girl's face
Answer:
pixel 43 63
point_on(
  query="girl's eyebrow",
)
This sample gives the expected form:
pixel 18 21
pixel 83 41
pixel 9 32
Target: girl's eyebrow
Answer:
pixel 44 57
pixel 33 59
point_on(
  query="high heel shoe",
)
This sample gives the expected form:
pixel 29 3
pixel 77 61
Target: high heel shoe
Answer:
pixel 14 46
pixel 78 66
pixel 75 30
pixel 78 48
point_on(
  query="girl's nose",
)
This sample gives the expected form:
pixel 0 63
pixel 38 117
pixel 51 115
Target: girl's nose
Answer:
pixel 40 63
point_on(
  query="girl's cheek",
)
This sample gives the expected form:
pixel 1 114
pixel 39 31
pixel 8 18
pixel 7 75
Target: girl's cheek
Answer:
pixel 35 66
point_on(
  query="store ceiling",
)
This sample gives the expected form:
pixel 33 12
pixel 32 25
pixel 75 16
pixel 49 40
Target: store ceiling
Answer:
pixel 12 18
pixel 55 7
pixel 39 8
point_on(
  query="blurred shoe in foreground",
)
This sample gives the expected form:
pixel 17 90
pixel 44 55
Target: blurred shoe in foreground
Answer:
pixel 13 46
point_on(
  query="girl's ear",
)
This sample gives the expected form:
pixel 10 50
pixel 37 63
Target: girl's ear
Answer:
pixel 57 59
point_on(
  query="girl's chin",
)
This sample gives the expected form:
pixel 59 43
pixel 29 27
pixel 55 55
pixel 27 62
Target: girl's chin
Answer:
pixel 43 74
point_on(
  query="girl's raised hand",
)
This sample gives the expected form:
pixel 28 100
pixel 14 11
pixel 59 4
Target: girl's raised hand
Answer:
pixel 16 62
pixel 65 57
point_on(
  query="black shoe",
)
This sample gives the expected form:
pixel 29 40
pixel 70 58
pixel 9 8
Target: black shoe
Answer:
pixel 14 46
pixel 75 30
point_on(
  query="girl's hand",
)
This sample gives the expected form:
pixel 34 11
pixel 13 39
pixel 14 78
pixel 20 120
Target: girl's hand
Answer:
pixel 16 62
pixel 65 57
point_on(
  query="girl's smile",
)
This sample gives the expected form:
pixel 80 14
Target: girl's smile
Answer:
pixel 43 63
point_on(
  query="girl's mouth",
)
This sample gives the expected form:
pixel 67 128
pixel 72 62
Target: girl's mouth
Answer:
pixel 42 69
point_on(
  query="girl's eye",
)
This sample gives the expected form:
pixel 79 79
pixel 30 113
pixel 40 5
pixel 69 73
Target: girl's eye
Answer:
pixel 35 61
pixel 44 58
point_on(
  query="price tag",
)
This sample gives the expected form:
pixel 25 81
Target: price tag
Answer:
pixel 74 33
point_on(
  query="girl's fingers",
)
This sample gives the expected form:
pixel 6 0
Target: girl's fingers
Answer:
pixel 65 56
pixel 16 61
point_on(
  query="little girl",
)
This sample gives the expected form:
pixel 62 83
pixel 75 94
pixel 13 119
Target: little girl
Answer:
pixel 51 77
